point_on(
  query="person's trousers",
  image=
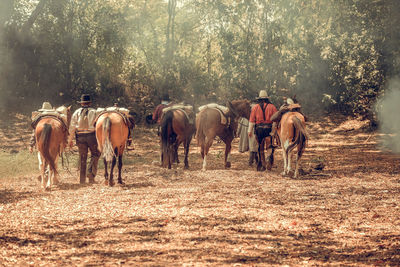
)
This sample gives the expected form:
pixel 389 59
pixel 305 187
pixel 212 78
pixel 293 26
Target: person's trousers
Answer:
pixel 85 142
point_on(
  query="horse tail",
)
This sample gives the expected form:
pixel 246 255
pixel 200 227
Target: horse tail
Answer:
pixel 199 128
pixel 108 151
pixel 166 125
pixel 301 136
pixel 44 145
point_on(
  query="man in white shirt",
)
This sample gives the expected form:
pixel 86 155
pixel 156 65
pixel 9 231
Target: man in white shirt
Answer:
pixel 83 129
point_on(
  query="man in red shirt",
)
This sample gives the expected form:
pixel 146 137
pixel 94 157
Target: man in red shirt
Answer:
pixel 260 123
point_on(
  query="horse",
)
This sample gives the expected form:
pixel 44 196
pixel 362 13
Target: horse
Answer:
pixel 292 133
pixel 176 128
pixel 112 134
pixel 209 125
pixel 51 134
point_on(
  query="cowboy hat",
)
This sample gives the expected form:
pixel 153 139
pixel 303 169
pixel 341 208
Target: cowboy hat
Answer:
pixel 46 106
pixel 85 99
pixel 262 95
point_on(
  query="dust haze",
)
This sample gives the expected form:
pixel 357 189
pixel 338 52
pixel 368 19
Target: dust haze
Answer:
pixel 388 112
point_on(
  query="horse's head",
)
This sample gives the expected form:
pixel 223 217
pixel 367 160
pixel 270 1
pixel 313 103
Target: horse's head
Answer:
pixel 240 108
pixel 65 111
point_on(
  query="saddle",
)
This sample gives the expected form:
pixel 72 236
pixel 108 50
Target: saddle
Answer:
pixel 225 120
pixel 123 112
pixel 38 117
pixel 186 109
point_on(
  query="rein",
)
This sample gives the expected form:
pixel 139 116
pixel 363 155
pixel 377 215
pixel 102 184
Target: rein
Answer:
pixel 66 167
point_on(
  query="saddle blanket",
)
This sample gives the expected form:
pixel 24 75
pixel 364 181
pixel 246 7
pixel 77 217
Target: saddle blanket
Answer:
pixel 124 112
pixel 187 110
pixel 59 113
pixel 222 110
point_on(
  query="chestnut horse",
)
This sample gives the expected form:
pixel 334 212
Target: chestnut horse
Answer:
pixel 51 138
pixel 292 133
pixel 176 128
pixel 208 124
pixel 111 134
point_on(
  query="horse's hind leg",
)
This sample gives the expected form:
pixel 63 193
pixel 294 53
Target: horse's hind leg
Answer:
pixel 176 146
pixel 186 151
pixel 42 173
pixel 284 155
pixel 207 144
pixel 105 172
pixel 40 167
pixel 120 169
pixel 114 161
pixel 289 161
pixel 55 176
pixel 299 153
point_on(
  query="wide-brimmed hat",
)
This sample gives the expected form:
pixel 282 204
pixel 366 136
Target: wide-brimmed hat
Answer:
pixel 46 106
pixel 262 95
pixel 85 99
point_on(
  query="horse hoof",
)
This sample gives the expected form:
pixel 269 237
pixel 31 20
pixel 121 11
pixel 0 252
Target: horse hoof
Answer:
pixel 106 182
pixel 47 189
pixel 39 178
pixel 228 165
pixel 111 183
pixel 260 168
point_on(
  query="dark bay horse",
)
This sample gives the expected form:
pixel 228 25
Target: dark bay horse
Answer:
pixel 292 133
pixel 177 126
pixel 209 125
pixel 51 138
pixel 112 134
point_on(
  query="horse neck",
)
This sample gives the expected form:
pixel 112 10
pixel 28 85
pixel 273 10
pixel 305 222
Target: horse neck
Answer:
pixel 241 108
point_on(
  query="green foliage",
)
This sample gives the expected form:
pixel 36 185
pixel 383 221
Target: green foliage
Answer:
pixel 333 55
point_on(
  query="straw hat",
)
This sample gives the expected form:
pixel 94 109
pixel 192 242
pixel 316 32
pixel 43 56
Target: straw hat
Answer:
pixel 262 95
pixel 46 106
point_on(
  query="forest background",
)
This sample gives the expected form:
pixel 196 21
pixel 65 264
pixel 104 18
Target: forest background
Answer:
pixel 334 55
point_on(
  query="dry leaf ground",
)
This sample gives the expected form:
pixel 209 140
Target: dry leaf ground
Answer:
pixel 347 214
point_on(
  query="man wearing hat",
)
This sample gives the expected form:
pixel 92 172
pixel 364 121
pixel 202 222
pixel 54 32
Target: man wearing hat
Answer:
pixel 46 107
pixel 165 102
pixel 260 119
pixel 82 127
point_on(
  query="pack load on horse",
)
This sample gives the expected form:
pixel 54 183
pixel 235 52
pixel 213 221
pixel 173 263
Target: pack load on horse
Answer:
pixel 51 133
pixel 112 129
pixel 177 126
pixel 261 125
pixel 216 120
pixel 291 130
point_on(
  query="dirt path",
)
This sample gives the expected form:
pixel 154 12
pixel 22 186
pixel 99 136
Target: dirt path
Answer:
pixel 348 214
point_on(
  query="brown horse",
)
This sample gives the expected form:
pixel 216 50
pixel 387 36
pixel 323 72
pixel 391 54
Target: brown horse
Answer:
pixel 292 133
pixel 208 124
pixel 51 138
pixel 111 134
pixel 176 128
